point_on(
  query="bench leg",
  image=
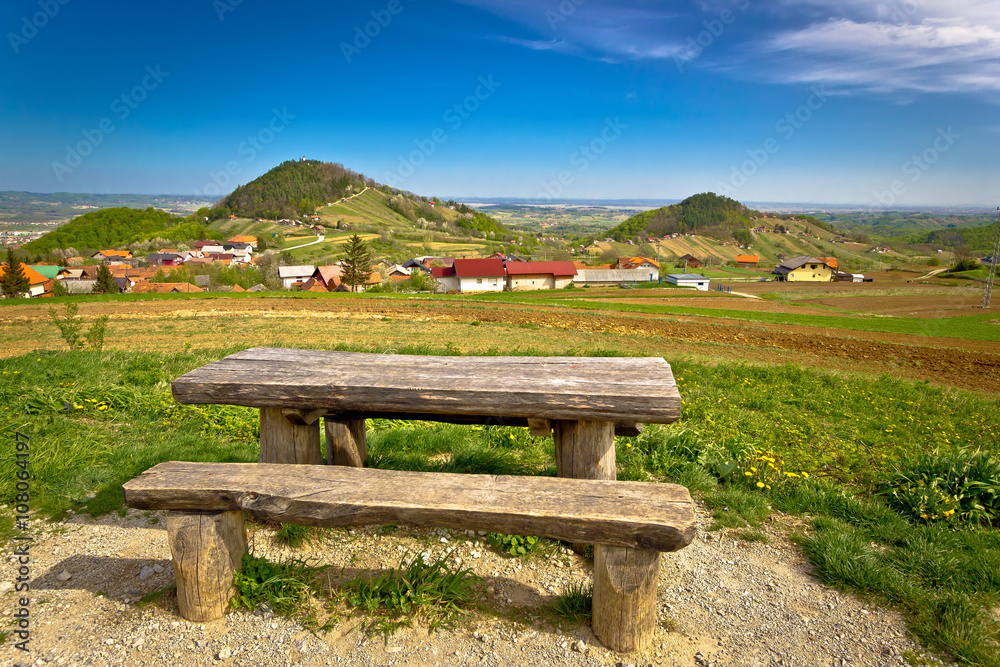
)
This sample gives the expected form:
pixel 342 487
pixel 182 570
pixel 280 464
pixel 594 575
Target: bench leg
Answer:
pixel 281 441
pixel 624 579
pixel 625 596
pixel 207 548
pixel 346 442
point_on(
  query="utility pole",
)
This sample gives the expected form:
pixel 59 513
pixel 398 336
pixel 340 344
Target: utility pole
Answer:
pixel 994 258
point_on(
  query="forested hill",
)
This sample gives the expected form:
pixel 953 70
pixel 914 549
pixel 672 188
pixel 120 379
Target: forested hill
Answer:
pixel 112 227
pixel 700 212
pixel 292 189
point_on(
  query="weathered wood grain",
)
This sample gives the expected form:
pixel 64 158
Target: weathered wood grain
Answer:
pixel 588 388
pixel 625 429
pixel 540 428
pixel 281 441
pixel 634 514
pixel 346 442
pixel 207 548
pixel 625 596
pixel 584 450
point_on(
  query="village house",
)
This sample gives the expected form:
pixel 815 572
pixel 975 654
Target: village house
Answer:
pixel 804 269
pixel 164 259
pixel 36 281
pixel 651 267
pixel 522 276
pixel 327 277
pixel 747 261
pixel 471 275
pixel 294 276
pixel 112 256
pixel 691 262
pixel 830 261
pixel 250 240
pixel 146 287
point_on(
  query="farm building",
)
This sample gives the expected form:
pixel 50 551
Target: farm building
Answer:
pixel 804 269
pixel 842 277
pixel 691 262
pixel 472 275
pixel 609 277
pixel 747 261
pixel 697 282
pixel 523 276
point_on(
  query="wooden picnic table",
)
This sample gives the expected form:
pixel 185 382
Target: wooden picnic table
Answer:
pixel 581 400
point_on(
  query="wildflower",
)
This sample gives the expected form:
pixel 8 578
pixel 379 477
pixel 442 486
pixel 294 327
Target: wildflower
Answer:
pixel 760 485
pixel 748 474
pixel 805 475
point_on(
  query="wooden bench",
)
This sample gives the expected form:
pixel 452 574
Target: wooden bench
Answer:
pixel 582 401
pixel 207 502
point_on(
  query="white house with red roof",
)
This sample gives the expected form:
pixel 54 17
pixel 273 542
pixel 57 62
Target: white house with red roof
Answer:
pixel 522 276
pixel 472 275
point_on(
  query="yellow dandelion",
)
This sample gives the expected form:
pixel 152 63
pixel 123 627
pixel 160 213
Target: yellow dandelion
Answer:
pixel 760 485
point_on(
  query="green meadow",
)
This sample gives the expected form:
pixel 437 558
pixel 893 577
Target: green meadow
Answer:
pixel 874 465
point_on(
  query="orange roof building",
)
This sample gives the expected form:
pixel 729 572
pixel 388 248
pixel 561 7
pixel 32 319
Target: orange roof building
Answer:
pixel 830 261
pixel 252 240
pixel 36 281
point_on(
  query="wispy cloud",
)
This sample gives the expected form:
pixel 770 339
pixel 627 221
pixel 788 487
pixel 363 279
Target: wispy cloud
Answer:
pixel 903 47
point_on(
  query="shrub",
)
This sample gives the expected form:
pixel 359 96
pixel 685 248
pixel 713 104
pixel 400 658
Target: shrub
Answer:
pixel 515 545
pixel 933 486
pixel 71 328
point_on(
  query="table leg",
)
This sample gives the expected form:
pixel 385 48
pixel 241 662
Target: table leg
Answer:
pixel 281 441
pixel 624 579
pixel 346 442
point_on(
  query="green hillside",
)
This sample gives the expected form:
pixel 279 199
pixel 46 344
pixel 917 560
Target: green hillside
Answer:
pixel 112 227
pixel 697 213
pixel 291 189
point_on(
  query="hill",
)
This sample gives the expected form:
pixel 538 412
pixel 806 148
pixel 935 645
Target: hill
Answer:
pixel 111 227
pixel 697 213
pixel 26 207
pixel 293 188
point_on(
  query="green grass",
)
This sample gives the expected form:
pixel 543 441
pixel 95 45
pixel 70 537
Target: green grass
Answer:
pixel 431 590
pixel 575 602
pixel 96 420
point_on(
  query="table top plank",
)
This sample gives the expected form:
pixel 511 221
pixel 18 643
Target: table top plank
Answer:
pixel 585 388
pixel 641 515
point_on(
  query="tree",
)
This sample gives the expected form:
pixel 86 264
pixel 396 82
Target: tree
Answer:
pixel 15 282
pixel 357 263
pixel 105 281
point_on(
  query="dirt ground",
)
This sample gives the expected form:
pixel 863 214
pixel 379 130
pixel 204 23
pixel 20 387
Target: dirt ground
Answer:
pixel 166 324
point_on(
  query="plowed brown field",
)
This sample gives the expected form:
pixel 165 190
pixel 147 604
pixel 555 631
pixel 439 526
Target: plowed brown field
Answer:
pixel 166 324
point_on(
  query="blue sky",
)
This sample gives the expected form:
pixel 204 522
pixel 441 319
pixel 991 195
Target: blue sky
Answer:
pixel 873 103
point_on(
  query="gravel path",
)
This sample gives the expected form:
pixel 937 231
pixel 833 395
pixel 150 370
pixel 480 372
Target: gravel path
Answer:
pixel 723 601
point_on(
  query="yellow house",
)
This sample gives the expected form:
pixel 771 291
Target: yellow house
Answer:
pixel 804 269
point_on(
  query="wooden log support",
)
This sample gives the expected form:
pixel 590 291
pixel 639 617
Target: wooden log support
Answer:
pixel 346 442
pixel 624 579
pixel 539 428
pixel 207 548
pixel 625 596
pixel 302 417
pixel 584 449
pixel 281 441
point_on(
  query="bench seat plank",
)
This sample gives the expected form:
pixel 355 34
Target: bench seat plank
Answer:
pixel 589 388
pixel 640 515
